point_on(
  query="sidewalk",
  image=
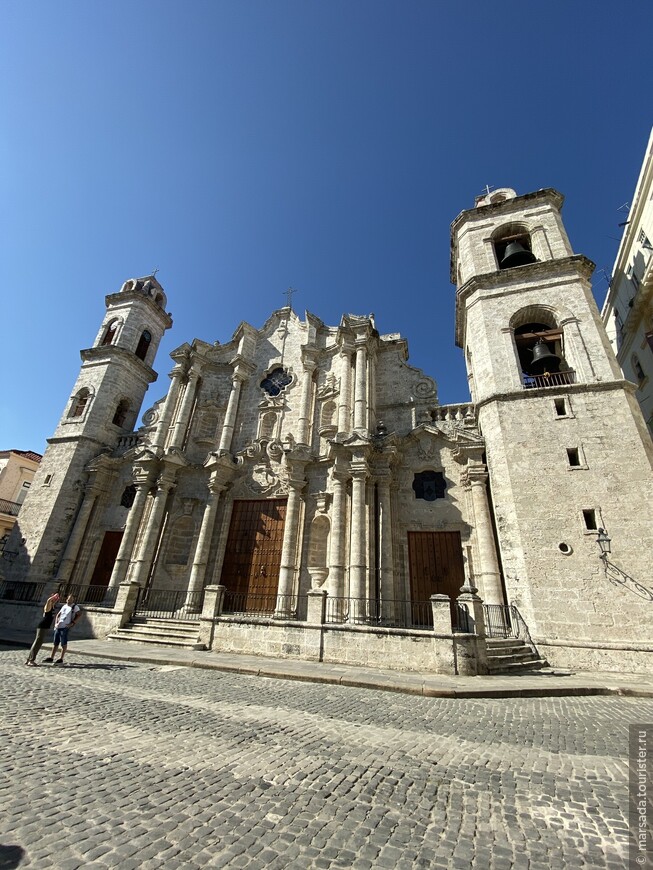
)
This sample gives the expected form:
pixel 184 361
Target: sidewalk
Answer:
pixel 541 684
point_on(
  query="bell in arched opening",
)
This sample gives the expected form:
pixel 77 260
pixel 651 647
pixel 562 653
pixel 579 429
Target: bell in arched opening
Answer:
pixel 544 362
pixel 516 255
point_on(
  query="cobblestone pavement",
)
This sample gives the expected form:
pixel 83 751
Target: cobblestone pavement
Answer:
pixel 108 764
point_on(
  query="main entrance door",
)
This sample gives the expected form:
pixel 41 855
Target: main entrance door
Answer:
pixel 253 556
pixel 436 567
pixel 104 565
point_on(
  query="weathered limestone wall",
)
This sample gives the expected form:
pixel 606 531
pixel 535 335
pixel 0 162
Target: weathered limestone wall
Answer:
pixel 539 502
pixel 604 656
pixel 396 649
pixel 285 640
pixel 95 622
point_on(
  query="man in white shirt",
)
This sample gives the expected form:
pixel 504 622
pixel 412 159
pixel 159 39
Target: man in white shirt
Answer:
pixel 64 621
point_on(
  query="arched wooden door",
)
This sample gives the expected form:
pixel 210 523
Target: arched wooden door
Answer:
pixel 252 560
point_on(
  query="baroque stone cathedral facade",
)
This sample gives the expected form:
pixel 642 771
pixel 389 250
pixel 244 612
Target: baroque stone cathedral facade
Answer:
pixel 304 456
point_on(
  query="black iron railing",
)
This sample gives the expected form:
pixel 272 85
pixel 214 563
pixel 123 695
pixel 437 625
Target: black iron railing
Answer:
pixel 169 603
pixel 553 379
pixel 102 596
pixel 255 604
pixel 10 508
pixel 497 620
pixel 389 613
pixel 15 591
pixel 505 620
pixel 461 620
pixel 19 591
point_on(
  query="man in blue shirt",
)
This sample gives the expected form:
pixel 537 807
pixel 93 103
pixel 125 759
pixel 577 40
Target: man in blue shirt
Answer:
pixel 65 619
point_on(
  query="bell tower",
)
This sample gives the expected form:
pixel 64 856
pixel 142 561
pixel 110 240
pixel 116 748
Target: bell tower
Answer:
pixel 103 406
pixel 567 448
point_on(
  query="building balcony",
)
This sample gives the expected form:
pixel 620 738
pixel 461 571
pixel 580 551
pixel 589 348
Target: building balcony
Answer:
pixel 9 508
pixel 549 379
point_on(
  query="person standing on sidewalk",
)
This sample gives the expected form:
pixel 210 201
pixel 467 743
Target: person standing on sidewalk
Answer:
pixel 42 629
pixel 66 618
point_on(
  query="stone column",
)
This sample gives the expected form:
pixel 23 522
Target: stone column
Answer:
pixel 169 405
pixel 183 418
pixel 131 529
pixel 238 379
pixel 387 584
pixel 358 544
pixel 289 546
pixel 576 353
pixel 336 582
pixel 360 386
pixel 203 547
pixel 344 410
pixel 77 536
pixel 306 402
pixel 488 568
pixel 141 564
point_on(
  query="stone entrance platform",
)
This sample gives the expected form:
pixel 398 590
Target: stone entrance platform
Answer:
pixel 544 683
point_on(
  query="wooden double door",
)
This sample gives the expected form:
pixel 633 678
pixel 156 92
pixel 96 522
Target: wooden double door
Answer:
pixel 104 566
pixel 436 567
pixel 252 559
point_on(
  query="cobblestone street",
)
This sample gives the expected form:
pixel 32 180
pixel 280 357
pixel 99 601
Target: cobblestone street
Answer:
pixel 109 764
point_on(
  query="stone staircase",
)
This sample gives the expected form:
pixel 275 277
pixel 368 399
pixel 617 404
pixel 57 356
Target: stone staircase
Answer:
pixel 511 655
pixel 180 633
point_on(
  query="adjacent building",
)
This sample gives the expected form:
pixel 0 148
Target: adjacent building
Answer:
pixel 628 309
pixel 17 470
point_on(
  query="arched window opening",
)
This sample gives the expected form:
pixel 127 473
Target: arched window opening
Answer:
pixel 110 333
pixel 327 420
pixel 512 246
pixel 121 412
pixel 318 551
pixel 540 348
pixel 79 403
pixel 143 344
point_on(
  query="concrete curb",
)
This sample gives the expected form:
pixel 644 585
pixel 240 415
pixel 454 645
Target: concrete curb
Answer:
pixel 419 684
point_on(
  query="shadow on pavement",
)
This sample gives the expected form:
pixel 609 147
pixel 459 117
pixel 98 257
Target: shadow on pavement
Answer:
pixel 80 666
pixel 10 856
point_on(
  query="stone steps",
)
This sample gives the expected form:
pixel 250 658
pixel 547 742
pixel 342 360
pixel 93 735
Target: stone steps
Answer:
pixel 512 655
pixel 180 633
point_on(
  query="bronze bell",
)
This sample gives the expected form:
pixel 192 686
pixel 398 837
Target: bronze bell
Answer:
pixel 543 359
pixel 516 255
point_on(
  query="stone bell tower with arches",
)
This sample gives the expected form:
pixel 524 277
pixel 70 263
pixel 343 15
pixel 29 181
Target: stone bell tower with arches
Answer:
pixel 103 406
pixel 566 445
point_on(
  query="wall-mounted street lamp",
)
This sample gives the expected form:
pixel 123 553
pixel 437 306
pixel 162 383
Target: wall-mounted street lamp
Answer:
pixel 605 543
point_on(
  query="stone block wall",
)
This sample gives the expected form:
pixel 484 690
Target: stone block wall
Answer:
pixel 95 622
pixel 636 658
pixel 395 649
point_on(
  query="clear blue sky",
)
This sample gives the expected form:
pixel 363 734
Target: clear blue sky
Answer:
pixel 242 146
